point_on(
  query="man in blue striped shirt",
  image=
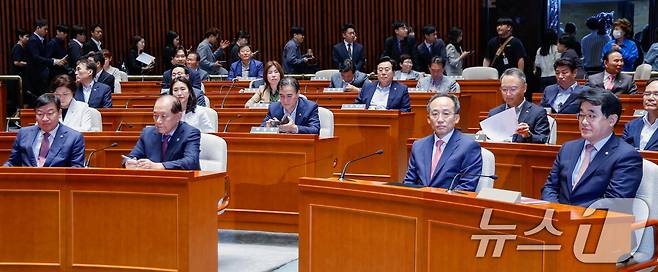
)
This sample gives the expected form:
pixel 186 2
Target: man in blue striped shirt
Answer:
pixel 592 44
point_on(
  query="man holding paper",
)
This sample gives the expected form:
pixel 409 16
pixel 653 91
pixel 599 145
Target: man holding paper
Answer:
pixel 532 121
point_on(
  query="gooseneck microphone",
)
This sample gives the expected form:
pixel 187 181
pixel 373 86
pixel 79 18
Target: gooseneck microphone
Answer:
pixel 228 92
pixel 460 175
pixel 121 124
pixel 342 174
pixel 229 122
pixel 115 144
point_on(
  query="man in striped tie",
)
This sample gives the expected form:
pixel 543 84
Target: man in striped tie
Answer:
pixel 612 79
pixel 600 164
pixel 49 143
pixel 437 159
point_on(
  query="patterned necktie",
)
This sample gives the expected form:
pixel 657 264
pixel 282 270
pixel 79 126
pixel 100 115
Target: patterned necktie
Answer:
pixel 584 164
pixel 165 143
pixel 43 149
pixel 610 83
pixel 349 50
pixel 436 157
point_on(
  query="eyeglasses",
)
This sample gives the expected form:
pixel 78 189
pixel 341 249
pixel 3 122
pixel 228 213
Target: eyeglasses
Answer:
pixel 50 114
pixel 509 89
pixel 588 116
pixel 437 115
pixel 650 94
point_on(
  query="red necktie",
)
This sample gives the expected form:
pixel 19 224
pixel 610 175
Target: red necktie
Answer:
pixel 610 82
pixel 436 157
pixel 43 150
pixel 165 143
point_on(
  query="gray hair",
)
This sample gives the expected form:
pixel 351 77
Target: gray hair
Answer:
pixel 452 97
pixel 515 72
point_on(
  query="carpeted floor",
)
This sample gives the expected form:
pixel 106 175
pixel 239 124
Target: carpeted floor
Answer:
pixel 247 251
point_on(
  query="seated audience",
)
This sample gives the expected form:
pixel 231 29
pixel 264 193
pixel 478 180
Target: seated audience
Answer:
pixel 268 92
pixel 385 93
pixel 348 77
pixel 95 94
pixel 192 64
pixel 533 124
pixel 436 159
pixel 641 132
pixel 292 114
pixel 101 76
pixel 623 43
pixel 182 71
pixel 170 144
pixel 406 72
pixel 600 164
pixel 193 114
pixel 436 82
pixel 612 79
pixel 247 66
pixel 75 114
pixel 119 76
pixel 48 143
pixel 180 59
pixel 563 97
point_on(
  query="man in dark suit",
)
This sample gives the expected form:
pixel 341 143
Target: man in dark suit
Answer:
pixel 94 44
pixel 600 165
pixel 292 59
pixel 75 45
pixel 170 144
pixel 95 94
pixel 436 159
pixel 641 132
pixel 180 59
pixel 348 77
pixel 533 123
pixel 38 62
pixel 431 47
pixel 101 75
pixel 562 97
pixel 403 42
pixel 385 93
pixel 186 72
pixel 48 143
pixel 611 78
pixel 349 49
pixel 292 114
pixel 241 38
pixel 56 49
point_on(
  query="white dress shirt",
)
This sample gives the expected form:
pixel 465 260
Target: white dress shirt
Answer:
pixel 647 131
pixel 199 119
pixel 380 98
pixel 86 91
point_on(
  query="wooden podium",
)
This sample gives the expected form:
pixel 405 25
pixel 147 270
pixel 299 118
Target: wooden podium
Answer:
pixel 68 219
pixel 367 226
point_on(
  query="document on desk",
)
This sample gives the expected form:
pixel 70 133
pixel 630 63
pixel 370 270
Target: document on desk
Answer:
pixel 145 58
pixel 500 126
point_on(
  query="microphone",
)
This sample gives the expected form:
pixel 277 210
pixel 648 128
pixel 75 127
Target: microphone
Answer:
pixel 550 128
pixel 460 175
pixel 228 92
pixel 342 173
pixel 305 87
pixel 127 102
pixel 121 125
pixel 229 121
pixel 92 153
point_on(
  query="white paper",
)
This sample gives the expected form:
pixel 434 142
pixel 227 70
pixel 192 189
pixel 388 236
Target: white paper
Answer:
pixel 501 126
pixel 145 58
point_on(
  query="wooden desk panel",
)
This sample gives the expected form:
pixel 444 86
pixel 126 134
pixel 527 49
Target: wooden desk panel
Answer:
pixel 629 102
pixel 342 225
pixel 477 96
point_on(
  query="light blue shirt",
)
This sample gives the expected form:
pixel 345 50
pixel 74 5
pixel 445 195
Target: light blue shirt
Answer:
pixel 36 145
pixel 292 114
pixel 86 91
pixel 597 147
pixel 652 57
pixel 380 97
pixel 562 96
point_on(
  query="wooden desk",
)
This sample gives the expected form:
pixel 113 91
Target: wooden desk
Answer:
pixel 629 102
pixel 365 226
pixel 141 87
pixel 3 104
pixel 134 119
pixel 64 219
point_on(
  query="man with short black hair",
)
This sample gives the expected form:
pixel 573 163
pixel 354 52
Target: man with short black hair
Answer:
pixel 94 93
pixel 431 47
pixel 182 71
pixel 292 59
pixel 55 49
pixel 402 42
pixel 192 63
pixel 38 61
pixel 504 51
pixel 241 38
pixel 592 45
pixel 348 49
pixel 562 97
pixel 94 44
pixel 385 93
pixel 437 82
pixel 78 39
pixel 101 75
pixel 612 79
pixel 48 143
pixel 209 58
pixel 348 77
pixel 600 164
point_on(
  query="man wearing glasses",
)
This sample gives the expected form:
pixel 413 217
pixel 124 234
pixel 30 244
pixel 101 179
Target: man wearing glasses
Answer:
pixel 437 82
pixel 600 164
pixel 48 143
pixel 641 132
pixel 436 159
pixel 170 144
pixel 385 93
pixel 533 124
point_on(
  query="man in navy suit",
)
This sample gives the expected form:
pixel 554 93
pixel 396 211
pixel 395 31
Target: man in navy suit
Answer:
pixel 641 132
pixel 349 49
pixel 403 42
pixel 348 77
pixel 533 124
pixel 75 45
pixel 38 62
pixel 600 165
pixel 385 93
pixel 48 143
pixel 101 76
pixel 180 59
pixel 182 71
pixel 562 97
pixel 292 114
pixel 293 60
pixel 94 44
pixel 436 159
pixel 170 144
pixel 95 94
pixel 56 49
pixel 431 47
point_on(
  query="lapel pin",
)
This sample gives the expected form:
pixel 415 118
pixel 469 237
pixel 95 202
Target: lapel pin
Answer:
pixel 606 153
pixel 177 139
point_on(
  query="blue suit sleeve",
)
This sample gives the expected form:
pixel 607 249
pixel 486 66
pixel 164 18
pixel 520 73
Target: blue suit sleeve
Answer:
pixel 472 164
pixel 627 136
pixel 544 100
pixel 405 103
pixel 626 176
pixel 361 60
pixel 313 125
pixel 551 190
pixel 232 72
pixel 78 152
pixel 291 56
pixel 107 98
pixel 138 151
pixel 190 160
pixel 15 156
pixel 268 116
pixel 361 98
pixel 259 68
pixel 334 57
pixel 412 168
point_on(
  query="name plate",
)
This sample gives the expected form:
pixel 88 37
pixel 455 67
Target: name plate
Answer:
pixel 333 90
pixel 319 78
pixel 249 90
pixel 259 105
pixel 247 78
pixel 353 107
pixel 264 130
pixel 417 90
pixel 499 195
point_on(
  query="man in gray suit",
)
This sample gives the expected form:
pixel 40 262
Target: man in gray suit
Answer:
pixel 437 82
pixel 612 79
pixel 348 77
pixel 209 59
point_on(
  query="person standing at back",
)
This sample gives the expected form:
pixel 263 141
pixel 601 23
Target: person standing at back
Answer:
pixel 504 51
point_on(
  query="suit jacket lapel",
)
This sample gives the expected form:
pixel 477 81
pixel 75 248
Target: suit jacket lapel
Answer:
pixel 392 92
pixel 32 136
pixel 525 110
pixel 447 152
pixel 601 156
pixel 572 97
pixel 157 143
pixel 652 140
pixel 56 146
pixel 173 143
pixel 426 160
pixel 574 156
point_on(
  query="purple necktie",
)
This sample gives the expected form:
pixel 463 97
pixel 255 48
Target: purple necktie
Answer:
pixel 43 150
pixel 165 143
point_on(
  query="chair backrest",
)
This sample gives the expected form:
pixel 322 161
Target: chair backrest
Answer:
pixel 642 72
pixel 212 114
pixel 480 73
pixel 488 168
pixel 256 83
pixel 96 120
pixel 648 192
pixel 213 153
pixel 325 74
pixel 326 122
pixel 552 124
